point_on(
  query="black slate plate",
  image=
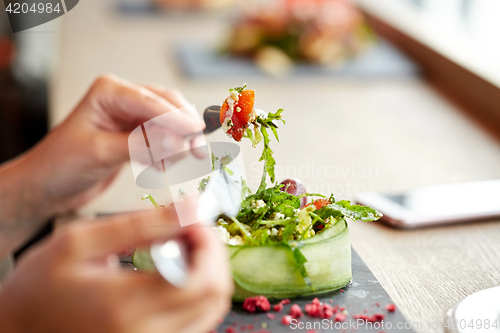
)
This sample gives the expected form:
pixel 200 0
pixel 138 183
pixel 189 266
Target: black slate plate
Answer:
pixel 364 292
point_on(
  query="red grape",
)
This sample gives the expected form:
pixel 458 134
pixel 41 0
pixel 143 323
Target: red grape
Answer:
pixel 295 187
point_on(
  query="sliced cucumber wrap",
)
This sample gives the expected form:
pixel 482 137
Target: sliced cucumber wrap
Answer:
pixel 271 270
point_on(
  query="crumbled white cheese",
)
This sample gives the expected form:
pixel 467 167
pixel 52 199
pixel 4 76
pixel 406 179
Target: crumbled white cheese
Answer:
pixel 260 112
pixel 227 124
pixel 277 216
pixel 235 96
pixel 221 232
pixel 257 204
pixel 236 240
pixel 274 232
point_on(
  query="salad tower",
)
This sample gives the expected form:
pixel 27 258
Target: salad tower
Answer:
pixel 280 245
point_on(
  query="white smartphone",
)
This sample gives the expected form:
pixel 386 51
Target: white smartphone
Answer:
pixel 436 205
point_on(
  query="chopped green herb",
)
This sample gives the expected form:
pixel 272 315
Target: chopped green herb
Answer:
pixel 238 89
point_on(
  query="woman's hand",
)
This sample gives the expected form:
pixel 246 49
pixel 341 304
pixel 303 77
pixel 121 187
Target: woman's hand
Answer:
pixel 81 156
pixel 69 284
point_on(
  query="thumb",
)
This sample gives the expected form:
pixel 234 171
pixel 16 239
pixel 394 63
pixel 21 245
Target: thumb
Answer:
pixel 100 237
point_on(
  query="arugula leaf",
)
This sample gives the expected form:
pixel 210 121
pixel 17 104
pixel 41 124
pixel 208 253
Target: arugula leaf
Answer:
pixel 258 136
pixel 358 212
pixel 275 133
pixel 275 116
pixel 344 208
pixel 267 155
pixel 263 184
pixel 245 191
pixel 270 118
pixel 244 232
pixel 276 202
pixel 329 210
pixel 300 260
pixel 261 237
pixel 274 197
pixel 248 134
pixel 288 231
pixel 312 195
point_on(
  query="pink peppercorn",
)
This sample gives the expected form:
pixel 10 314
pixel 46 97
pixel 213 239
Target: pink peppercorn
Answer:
pixel 295 311
pixel 286 319
pixel 391 307
pixel 340 317
pixel 252 304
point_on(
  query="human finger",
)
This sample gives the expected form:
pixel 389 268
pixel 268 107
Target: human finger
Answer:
pixel 131 105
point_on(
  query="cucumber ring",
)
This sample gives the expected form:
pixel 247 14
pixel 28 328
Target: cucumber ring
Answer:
pixel 270 270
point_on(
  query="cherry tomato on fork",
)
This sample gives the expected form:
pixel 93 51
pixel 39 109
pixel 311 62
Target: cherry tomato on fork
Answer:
pixel 241 115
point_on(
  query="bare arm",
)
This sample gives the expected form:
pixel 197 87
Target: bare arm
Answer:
pixel 22 205
pixel 80 157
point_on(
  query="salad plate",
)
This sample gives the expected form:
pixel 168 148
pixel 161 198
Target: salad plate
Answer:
pixel 283 242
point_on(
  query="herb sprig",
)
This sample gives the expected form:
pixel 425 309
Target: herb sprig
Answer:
pixel 260 134
pixel 238 89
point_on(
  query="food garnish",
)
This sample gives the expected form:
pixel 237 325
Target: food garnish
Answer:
pixel 257 303
pixel 295 311
pixel 391 307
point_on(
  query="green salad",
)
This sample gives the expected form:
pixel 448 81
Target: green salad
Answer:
pixel 280 244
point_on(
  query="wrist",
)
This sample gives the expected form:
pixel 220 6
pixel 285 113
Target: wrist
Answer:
pixel 23 207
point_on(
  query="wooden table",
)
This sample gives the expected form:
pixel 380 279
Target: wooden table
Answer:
pixel 372 135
